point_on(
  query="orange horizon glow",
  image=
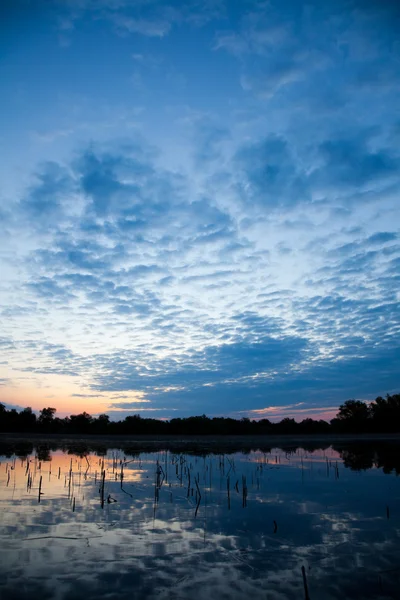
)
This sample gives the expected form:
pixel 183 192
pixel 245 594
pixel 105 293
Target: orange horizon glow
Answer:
pixel 63 400
pixel 66 404
pixel 69 397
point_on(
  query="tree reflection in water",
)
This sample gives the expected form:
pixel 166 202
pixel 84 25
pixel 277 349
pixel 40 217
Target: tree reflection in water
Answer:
pixel 194 523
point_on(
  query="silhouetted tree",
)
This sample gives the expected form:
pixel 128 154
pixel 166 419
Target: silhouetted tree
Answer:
pixel 46 418
pixel 385 413
pixel 27 419
pixel 81 423
pixel 287 425
pixel 353 415
pixel 101 424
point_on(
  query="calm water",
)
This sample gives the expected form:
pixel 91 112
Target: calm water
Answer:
pixel 180 525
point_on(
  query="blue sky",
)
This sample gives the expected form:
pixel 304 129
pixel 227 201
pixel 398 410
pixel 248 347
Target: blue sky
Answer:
pixel 199 205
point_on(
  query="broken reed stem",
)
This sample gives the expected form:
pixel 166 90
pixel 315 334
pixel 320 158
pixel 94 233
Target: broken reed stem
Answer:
pixel 188 489
pixel 70 479
pixel 102 488
pixel 306 595
pixel 156 488
pixel 40 488
pixel 199 498
pixel 244 491
pixel 197 486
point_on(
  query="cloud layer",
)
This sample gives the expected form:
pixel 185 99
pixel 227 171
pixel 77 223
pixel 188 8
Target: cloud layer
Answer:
pixel 202 232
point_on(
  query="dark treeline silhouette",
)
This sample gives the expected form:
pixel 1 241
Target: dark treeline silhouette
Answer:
pixel 354 416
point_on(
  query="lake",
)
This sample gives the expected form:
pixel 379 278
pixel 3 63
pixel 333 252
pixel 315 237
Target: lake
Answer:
pixel 86 522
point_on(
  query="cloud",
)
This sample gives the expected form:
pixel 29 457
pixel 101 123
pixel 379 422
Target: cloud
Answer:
pixel 268 174
pixel 349 162
pixel 129 405
pixel 258 355
pixel 47 198
pixel 153 19
pixel 282 46
pixel 9 406
pixel 150 27
pixel 47 288
pixel 382 237
pixel 226 244
pixel 87 395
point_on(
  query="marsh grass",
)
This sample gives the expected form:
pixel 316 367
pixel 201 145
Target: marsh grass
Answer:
pixel 196 484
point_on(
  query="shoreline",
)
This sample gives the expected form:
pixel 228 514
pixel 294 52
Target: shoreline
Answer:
pixel 204 441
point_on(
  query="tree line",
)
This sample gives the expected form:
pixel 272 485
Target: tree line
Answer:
pixel 354 416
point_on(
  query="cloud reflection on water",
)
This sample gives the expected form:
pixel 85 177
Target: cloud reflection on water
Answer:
pixel 149 544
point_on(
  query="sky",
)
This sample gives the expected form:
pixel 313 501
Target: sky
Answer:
pixel 199 206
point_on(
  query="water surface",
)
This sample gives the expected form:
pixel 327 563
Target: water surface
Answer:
pixel 171 525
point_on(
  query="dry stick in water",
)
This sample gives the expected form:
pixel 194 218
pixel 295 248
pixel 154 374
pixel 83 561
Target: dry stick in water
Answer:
pixel 199 500
pixel 306 596
pixel 40 489
pixel 188 489
pixel 70 479
pixel 122 480
pixel 244 485
pixel 102 488
pixel 88 468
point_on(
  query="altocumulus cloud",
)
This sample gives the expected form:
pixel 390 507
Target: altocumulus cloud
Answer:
pixel 229 244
